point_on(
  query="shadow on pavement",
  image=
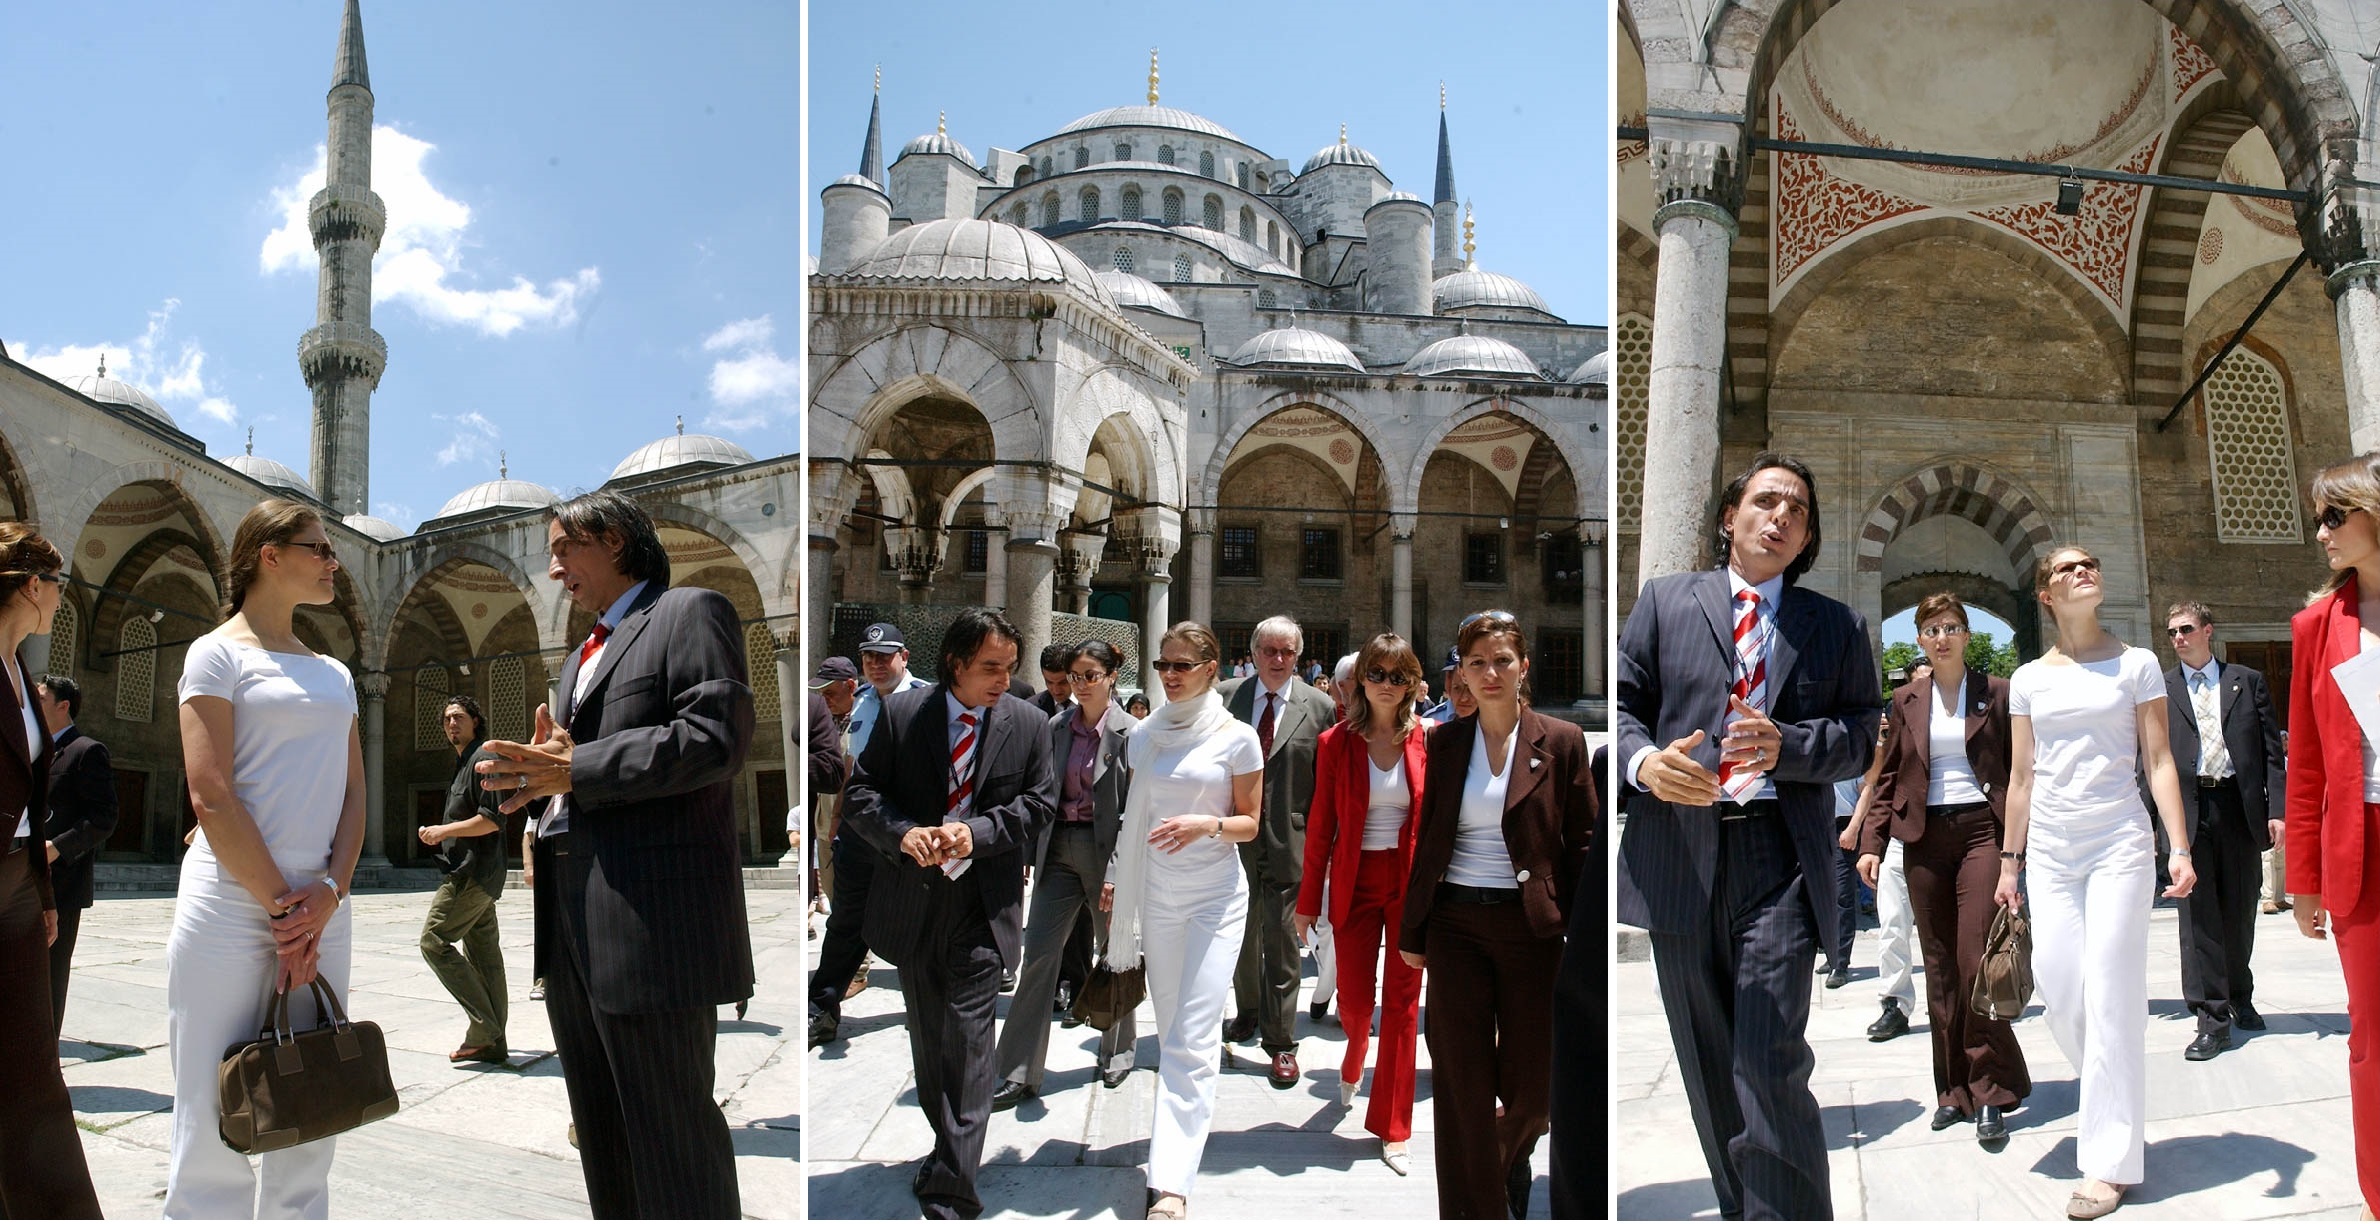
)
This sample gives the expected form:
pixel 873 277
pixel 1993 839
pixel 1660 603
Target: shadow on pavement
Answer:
pixel 2202 1162
pixel 1677 1200
pixel 1870 1120
pixel 102 1099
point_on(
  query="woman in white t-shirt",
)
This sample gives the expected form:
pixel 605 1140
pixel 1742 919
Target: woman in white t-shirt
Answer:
pixel 2085 721
pixel 275 762
pixel 1177 894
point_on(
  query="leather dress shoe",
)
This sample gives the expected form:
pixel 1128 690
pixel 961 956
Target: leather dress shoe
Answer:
pixel 1240 1031
pixel 2247 1017
pixel 1009 1093
pixel 1835 978
pixel 1284 1073
pixel 1516 1188
pixel 1062 1000
pixel 1991 1130
pixel 1948 1116
pixel 1114 1079
pixel 1891 1024
pixel 1007 980
pixel 822 1028
pixel 2206 1046
pixel 1319 1009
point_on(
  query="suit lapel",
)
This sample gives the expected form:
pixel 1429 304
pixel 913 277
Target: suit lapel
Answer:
pixel 1793 618
pixel 13 735
pixel 1977 700
pixel 994 735
pixel 1289 717
pixel 631 624
pixel 1524 766
pixel 567 693
pixel 2182 716
pixel 1712 594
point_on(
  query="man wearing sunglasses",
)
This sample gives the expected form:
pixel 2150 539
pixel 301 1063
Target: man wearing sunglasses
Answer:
pixel 2222 728
pixel 1742 700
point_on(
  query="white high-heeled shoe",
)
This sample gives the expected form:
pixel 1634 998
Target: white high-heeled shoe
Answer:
pixel 1397 1160
pixel 1347 1091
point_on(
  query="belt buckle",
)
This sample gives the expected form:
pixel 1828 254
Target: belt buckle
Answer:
pixel 1729 813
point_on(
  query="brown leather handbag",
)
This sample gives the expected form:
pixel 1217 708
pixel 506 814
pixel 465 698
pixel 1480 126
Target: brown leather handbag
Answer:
pixel 286 1088
pixel 1109 996
pixel 2004 980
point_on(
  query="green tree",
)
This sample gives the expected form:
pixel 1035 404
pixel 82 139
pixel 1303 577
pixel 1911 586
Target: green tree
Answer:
pixel 1986 655
pixel 1901 656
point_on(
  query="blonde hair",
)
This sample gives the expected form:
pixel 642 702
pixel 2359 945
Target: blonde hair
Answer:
pixel 2350 484
pixel 273 521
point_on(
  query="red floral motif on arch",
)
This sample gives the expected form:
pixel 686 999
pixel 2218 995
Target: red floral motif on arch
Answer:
pixel 2191 63
pixel 2097 242
pixel 1814 209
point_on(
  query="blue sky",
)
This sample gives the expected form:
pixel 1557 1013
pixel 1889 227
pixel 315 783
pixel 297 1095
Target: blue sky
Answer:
pixel 1528 100
pixel 591 218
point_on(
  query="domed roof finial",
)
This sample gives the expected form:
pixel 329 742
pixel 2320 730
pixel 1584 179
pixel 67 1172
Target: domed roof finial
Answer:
pixel 503 466
pixel 942 123
pixel 251 439
pixel 1152 76
pixel 1469 245
pixel 1441 95
pixel 681 424
pixel 880 79
pixel 1342 133
pixel 103 364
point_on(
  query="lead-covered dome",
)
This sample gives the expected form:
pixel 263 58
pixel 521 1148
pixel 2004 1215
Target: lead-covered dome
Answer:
pixel 1294 346
pixel 937 142
pixel 1151 116
pixel 1472 288
pixel 270 474
pixel 116 391
pixel 681 450
pixel 1130 290
pixel 1595 369
pixel 377 528
pixel 970 248
pixel 500 494
pixel 1340 154
pixel 1472 355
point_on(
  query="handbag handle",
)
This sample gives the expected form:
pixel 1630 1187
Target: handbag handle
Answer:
pixel 328 1013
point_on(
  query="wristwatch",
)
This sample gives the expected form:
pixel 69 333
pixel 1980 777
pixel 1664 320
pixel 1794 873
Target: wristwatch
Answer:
pixel 336 896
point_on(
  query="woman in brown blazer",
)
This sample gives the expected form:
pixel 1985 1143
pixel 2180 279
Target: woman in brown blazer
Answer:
pixel 1942 794
pixel 42 1174
pixel 1507 819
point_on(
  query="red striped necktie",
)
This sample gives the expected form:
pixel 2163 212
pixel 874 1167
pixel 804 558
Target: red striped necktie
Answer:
pixel 1751 687
pixel 962 767
pixel 594 642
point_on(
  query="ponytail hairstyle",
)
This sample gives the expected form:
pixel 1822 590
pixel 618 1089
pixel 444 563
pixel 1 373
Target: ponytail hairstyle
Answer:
pixel 276 520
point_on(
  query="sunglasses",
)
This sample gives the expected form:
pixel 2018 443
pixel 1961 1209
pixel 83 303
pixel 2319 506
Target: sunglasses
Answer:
pixel 2182 631
pixel 2333 517
pixel 1086 677
pixel 1941 631
pixel 1491 614
pixel 1375 675
pixel 320 548
pixel 2075 566
pixel 1167 667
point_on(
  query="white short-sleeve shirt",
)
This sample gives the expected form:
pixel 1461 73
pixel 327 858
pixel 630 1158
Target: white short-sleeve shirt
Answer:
pixel 2086 730
pixel 1195 780
pixel 291 717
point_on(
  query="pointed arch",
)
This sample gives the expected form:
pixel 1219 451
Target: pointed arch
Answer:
pixel 860 394
pixel 2002 505
pixel 1370 429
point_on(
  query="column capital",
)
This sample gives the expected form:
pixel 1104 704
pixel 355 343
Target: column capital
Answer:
pixel 372 685
pixel 1698 161
pixel 916 552
pixel 1199 522
pixel 1402 526
pixel 1079 554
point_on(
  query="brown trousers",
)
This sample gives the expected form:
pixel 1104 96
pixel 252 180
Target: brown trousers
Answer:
pixel 1952 872
pixel 1490 994
pixel 42 1174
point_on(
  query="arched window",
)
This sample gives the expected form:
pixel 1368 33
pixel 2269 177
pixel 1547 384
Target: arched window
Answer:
pixel 1165 155
pixel 1243 173
pixel 1049 211
pixel 1024 175
pixel 1247 224
pixel 1173 206
pixel 1206 163
pixel 1016 216
pixel 1123 151
pixel 1047 168
pixel 1131 209
pixel 508 699
pixel 1090 204
pixel 136 669
pixel 1082 156
pixel 430 688
pixel 1181 269
pixel 1123 259
pixel 1631 396
pixel 1266 299
pixel 66 634
pixel 2247 443
pixel 1272 238
pixel 760 658
pixel 1211 213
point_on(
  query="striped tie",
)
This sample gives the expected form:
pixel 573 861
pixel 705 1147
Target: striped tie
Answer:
pixel 1751 687
pixel 962 768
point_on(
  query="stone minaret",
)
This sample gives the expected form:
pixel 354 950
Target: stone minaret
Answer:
pixel 871 155
pixel 1444 261
pixel 341 356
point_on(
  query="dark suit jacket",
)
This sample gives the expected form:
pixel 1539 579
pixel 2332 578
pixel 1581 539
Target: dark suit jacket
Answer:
pixel 82 813
pixel 2327 826
pixel 902 782
pixel 1111 778
pixel 1278 855
pixel 1899 805
pixel 1676 668
pixel 828 769
pixel 1342 799
pixel 661 737
pixel 25 776
pixel 2249 730
pixel 1550 812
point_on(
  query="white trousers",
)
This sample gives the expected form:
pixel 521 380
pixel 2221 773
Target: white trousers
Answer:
pixel 2089 889
pixel 1896 929
pixel 219 968
pixel 1190 941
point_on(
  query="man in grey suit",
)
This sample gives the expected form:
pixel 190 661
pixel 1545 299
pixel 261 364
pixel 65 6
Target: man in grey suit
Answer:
pixel 82 815
pixel 1288 715
pixel 641 929
pixel 1742 698
pixel 954 787
pixel 2222 727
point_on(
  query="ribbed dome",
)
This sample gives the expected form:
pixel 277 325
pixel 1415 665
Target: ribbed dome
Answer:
pixel 377 528
pixel 861 180
pixel 1130 290
pixel 1472 287
pixel 1472 355
pixel 1294 346
pixel 505 494
pixel 937 142
pixel 269 474
pixel 968 248
pixel 1151 116
pixel 1595 369
pixel 116 391
pixel 681 450
pixel 1340 154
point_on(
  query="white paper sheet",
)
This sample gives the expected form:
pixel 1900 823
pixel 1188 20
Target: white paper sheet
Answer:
pixel 2359 682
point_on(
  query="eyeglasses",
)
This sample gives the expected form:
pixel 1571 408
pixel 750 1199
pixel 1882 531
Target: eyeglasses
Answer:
pixel 1086 677
pixel 53 577
pixel 1495 614
pixel 2076 566
pixel 2182 631
pixel 320 548
pixel 1941 631
pixel 1167 667
pixel 1375 675
pixel 2333 517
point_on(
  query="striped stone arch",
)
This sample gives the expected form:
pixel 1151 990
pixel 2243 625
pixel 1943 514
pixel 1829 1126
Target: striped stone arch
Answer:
pixel 1749 350
pixel 2003 508
pixel 1640 261
pixel 2203 137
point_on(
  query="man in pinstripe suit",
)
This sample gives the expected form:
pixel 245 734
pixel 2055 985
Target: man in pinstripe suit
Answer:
pixel 956 783
pixel 641 931
pixel 1742 699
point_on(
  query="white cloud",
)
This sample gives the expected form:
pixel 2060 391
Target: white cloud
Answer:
pixel 421 261
pixel 473 437
pixel 172 369
pixel 400 513
pixel 743 333
pixel 754 386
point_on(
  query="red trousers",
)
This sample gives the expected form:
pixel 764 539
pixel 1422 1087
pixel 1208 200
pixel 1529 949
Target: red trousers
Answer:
pixel 2358 937
pixel 1376 910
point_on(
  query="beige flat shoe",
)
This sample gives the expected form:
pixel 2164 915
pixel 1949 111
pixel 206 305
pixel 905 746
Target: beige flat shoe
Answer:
pixel 1169 1207
pixel 1397 1161
pixel 1347 1092
pixel 2088 1206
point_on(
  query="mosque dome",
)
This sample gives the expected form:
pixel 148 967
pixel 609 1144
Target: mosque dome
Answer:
pixel 1595 369
pixel 681 450
pixel 1151 116
pixel 1294 346
pixel 270 474
pixel 1340 154
pixel 861 180
pixel 1130 290
pixel 116 391
pixel 937 142
pixel 1474 288
pixel 1472 355
pixel 377 528
pixel 502 493
pixel 970 248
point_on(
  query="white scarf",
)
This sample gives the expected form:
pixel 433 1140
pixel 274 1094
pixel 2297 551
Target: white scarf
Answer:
pixel 1176 724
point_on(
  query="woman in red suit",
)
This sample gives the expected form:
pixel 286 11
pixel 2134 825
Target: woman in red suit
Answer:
pixel 2333 832
pixel 1359 840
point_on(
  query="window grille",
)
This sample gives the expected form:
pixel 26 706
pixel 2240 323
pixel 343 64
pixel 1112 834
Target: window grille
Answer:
pixel 1632 378
pixel 1131 208
pixel 1181 269
pixel 1211 212
pixel 1049 211
pixel 1236 553
pixel 1082 156
pixel 1123 260
pixel 1090 204
pixel 1206 163
pixel 2248 449
pixel 136 670
pixel 1173 207
pixel 1165 155
pixel 508 700
pixel 66 634
pixel 760 660
pixel 429 701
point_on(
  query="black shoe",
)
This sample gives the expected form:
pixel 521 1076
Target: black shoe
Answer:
pixel 1320 1009
pixel 2247 1017
pixel 1007 980
pixel 1835 979
pixel 742 1005
pixel 1948 1116
pixel 1113 1079
pixel 1991 1130
pixel 1889 1025
pixel 2207 1046
pixel 822 1028
pixel 1240 1031
pixel 1516 1188
pixel 1062 1003
pixel 1009 1093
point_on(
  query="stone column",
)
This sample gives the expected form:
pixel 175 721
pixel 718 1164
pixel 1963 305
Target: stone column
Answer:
pixel 1155 535
pixel 1202 567
pixel 1078 564
pixel 818 593
pixel 1156 593
pixel 1400 575
pixel 995 573
pixel 1697 180
pixel 2354 287
pixel 1594 592
pixel 793 710
pixel 372 689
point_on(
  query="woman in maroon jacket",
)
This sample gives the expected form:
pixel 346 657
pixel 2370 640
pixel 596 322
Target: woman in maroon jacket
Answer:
pixel 1941 794
pixel 1507 820
pixel 1359 841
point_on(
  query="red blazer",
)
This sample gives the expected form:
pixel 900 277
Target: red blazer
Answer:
pixel 1342 797
pixel 2326 827
pixel 1899 803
